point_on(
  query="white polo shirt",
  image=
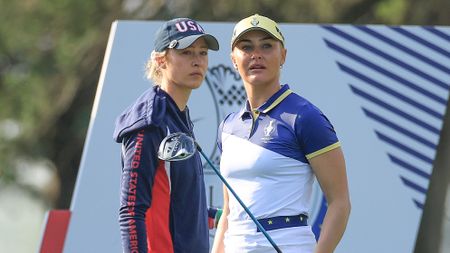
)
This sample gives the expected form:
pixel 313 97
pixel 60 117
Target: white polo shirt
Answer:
pixel 265 160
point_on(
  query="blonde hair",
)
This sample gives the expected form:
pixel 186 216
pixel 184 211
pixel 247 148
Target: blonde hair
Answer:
pixel 152 67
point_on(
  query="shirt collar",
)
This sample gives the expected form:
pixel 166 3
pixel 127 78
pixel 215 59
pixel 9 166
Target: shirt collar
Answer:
pixel 271 103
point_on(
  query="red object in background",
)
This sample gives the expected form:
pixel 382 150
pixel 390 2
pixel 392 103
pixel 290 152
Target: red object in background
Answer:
pixel 55 231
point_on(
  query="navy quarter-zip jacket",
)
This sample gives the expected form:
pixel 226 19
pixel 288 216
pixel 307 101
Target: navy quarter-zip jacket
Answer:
pixel 162 204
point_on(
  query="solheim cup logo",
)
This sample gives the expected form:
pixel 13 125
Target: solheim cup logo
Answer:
pixel 225 86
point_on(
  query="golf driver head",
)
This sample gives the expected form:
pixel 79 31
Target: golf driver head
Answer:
pixel 176 147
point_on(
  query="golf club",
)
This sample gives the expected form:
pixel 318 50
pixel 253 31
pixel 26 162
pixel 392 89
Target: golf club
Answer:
pixel 179 146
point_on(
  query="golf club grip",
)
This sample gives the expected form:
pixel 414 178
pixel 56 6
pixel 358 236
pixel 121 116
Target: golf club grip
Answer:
pixel 239 200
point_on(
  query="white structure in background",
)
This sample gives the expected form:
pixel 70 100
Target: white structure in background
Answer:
pixel 384 88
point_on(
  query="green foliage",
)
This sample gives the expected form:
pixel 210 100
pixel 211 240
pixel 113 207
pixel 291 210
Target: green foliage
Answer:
pixel 392 11
pixel 46 64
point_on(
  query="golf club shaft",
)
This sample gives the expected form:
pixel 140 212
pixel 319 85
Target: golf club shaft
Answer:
pixel 239 200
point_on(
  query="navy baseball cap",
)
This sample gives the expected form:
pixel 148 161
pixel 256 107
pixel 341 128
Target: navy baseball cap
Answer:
pixel 180 33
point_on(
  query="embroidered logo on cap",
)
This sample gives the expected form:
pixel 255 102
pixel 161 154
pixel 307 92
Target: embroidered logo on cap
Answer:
pixel 254 21
pixel 173 44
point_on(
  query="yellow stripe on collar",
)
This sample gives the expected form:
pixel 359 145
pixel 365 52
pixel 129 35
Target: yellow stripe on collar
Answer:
pixel 278 100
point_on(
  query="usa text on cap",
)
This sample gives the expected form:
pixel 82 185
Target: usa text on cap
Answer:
pixel 180 33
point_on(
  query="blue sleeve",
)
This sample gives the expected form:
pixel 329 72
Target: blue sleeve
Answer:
pixel 314 132
pixel 139 163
